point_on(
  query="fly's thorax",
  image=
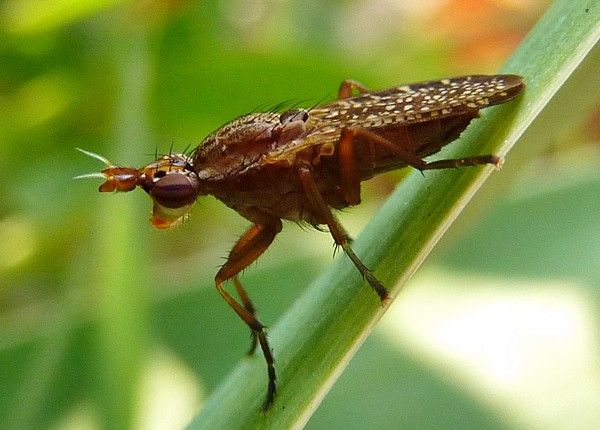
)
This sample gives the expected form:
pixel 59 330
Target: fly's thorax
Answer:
pixel 253 133
pixel 246 141
pixel 240 139
pixel 247 128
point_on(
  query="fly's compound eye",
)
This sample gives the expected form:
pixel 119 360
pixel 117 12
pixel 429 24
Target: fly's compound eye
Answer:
pixel 175 190
pixel 293 115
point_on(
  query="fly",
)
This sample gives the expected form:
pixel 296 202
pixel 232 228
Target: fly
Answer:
pixel 301 165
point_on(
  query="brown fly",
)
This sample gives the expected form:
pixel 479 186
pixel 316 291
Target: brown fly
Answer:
pixel 300 165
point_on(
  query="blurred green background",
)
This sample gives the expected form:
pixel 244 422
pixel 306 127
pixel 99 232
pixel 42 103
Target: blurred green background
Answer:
pixel 107 323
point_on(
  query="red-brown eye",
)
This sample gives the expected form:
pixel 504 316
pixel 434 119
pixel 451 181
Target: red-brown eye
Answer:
pixel 174 190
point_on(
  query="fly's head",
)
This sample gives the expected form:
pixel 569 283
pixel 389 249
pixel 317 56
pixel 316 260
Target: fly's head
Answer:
pixel 170 181
pixel 173 185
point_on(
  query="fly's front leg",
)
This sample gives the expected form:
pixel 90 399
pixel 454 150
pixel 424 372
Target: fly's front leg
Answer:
pixel 347 86
pixel 337 231
pixel 411 158
pixel 248 248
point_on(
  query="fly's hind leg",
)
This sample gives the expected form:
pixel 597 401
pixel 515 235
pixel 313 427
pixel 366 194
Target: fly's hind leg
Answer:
pixel 413 159
pixel 248 248
pixel 337 231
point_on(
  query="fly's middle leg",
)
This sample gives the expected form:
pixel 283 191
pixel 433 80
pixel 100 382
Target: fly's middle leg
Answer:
pixel 337 231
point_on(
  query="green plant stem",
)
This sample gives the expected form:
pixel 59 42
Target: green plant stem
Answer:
pixel 119 284
pixel 316 338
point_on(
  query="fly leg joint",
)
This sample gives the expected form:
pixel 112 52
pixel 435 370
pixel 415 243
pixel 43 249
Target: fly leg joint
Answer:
pixel 337 231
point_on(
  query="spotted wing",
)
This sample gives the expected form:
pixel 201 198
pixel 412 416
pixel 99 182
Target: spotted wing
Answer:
pixel 419 102
pixel 406 104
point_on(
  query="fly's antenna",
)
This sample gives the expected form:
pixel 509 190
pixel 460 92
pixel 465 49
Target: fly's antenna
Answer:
pixel 116 178
pixel 98 157
pixel 105 160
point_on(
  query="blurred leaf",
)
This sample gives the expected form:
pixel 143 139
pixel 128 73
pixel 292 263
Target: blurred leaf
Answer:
pixel 36 16
pixel 384 387
pixel 536 222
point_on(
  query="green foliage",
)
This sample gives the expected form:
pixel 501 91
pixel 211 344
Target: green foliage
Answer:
pixel 91 297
